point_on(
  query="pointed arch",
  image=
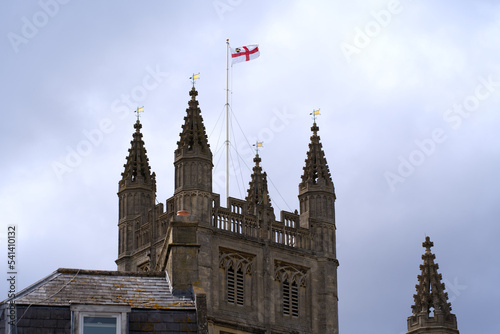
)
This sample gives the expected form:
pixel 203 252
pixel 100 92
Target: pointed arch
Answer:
pixel 237 268
pixel 292 273
pixel 237 261
pixel 292 278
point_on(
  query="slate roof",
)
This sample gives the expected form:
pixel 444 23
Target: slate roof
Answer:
pixel 98 287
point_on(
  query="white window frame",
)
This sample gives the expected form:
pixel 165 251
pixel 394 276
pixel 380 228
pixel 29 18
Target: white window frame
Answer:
pixel 116 316
pixel 80 311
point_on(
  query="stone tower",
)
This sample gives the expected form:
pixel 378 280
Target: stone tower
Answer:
pixel 190 208
pixel 136 194
pixel 317 213
pixel 248 271
pixel 193 165
pixel 431 313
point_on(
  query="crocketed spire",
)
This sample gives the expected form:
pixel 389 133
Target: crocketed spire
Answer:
pixel 430 297
pixel 193 138
pixel 137 168
pixel 258 194
pixel 430 290
pixel 316 170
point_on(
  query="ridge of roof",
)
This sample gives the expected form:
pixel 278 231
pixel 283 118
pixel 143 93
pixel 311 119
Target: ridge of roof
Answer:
pixel 109 272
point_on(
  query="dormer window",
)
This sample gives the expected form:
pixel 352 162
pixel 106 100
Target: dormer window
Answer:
pixel 99 319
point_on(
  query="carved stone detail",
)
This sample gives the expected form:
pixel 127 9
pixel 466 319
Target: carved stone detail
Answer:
pixel 236 260
pixel 293 273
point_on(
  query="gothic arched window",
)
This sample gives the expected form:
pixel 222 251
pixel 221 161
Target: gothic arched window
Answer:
pixel 292 279
pixel 237 267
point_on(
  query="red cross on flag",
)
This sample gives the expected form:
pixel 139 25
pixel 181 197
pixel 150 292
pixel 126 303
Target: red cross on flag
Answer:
pixel 245 53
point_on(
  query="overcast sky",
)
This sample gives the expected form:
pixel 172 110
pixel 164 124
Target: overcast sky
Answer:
pixel 409 94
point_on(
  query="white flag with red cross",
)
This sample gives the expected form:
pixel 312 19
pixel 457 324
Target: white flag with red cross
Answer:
pixel 244 53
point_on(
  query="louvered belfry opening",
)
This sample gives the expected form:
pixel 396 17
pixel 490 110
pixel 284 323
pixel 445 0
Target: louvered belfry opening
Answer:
pixel 290 298
pixel 235 287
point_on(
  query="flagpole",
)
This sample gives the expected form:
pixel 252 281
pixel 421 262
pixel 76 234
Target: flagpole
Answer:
pixel 227 123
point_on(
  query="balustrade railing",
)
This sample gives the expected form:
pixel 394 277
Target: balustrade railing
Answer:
pixel 285 232
pixel 226 220
pixel 290 236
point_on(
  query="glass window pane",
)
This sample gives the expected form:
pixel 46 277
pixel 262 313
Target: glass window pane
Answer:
pixel 99 325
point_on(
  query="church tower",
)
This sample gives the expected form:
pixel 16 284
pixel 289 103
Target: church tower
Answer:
pixel 317 197
pixel 431 313
pixel 191 205
pixel 249 271
pixel 317 213
pixel 136 194
pixel 193 165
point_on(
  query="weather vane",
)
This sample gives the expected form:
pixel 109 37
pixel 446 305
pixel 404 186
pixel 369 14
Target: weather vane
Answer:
pixel 314 114
pixel 194 77
pixel 257 145
pixel 138 112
